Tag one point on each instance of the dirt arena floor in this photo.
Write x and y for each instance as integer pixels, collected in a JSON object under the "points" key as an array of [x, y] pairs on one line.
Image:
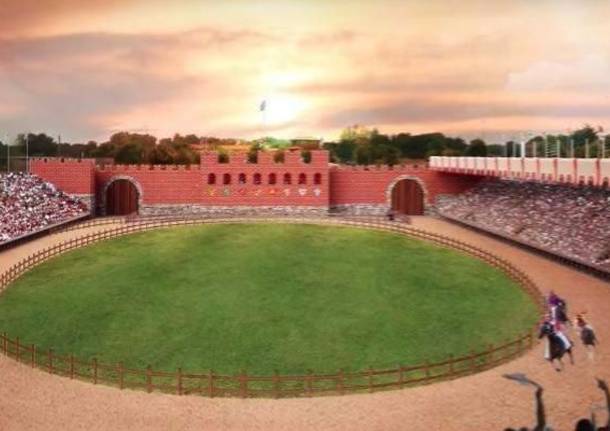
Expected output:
{"points": [[33, 400]]}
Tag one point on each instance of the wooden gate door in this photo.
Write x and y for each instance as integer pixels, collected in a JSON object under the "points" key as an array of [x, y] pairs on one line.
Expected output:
{"points": [[408, 198], [121, 198]]}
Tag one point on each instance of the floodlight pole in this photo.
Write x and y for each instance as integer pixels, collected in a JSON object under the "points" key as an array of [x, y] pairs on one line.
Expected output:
{"points": [[27, 153], [8, 154]]}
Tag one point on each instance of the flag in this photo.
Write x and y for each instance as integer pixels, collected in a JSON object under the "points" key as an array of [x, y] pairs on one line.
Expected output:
{"points": [[262, 106]]}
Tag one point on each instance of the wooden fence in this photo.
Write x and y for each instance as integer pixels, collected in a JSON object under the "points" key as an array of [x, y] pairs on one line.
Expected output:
{"points": [[276, 385]]}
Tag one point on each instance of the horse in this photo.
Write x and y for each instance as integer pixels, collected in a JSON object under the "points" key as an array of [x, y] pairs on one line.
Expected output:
{"points": [[558, 345]]}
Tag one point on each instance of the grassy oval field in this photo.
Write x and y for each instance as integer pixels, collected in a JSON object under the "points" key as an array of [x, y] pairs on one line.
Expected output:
{"points": [[262, 298]]}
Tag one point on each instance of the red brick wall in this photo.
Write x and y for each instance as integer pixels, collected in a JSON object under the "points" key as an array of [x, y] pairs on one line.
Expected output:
{"points": [[182, 185], [159, 184], [266, 194], [72, 176], [189, 184], [368, 185]]}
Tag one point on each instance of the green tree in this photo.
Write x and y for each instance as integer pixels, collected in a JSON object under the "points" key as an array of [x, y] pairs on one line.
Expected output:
{"points": [[401, 142], [477, 148], [129, 153], [495, 150]]}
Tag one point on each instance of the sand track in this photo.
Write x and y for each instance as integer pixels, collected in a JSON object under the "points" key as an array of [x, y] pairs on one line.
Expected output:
{"points": [[32, 399]]}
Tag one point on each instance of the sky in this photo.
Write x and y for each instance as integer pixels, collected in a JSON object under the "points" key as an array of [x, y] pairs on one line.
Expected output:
{"points": [[500, 70]]}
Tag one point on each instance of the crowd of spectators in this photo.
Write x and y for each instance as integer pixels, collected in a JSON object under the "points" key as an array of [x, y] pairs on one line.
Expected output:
{"points": [[573, 221], [29, 204]]}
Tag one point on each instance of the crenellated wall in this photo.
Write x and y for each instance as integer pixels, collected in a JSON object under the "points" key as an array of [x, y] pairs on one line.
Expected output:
{"points": [[287, 187], [76, 177], [367, 189]]}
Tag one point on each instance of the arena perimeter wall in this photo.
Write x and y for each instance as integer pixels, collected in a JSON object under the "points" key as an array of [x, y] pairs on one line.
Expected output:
{"points": [[314, 187]]}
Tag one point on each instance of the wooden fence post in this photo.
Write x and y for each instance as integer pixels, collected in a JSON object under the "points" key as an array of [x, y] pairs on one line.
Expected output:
{"points": [[33, 359], [50, 361], [276, 384], [211, 383], [473, 365], [179, 381], [149, 386], [340, 381], [94, 366], [490, 354], [401, 376], [243, 384], [17, 350], [309, 381], [121, 377]]}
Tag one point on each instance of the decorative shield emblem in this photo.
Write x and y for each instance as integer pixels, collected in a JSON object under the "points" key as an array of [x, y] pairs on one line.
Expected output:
{"points": [[257, 192], [241, 191], [302, 192], [211, 192], [317, 192], [272, 192], [287, 192], [226, 191]]}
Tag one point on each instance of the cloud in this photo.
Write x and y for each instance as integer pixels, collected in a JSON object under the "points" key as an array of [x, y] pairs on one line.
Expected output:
{"points": [[422, 111], [589, 73], [26, 16], [69, 82], [324, 39], [204, 66]]}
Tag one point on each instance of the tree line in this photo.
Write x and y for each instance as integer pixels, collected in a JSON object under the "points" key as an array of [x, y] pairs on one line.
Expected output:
{"points": [[356, 145], [360, 145]]}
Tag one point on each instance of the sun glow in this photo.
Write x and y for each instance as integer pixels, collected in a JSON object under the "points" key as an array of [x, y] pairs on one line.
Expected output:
{"points": [[282, 109]]}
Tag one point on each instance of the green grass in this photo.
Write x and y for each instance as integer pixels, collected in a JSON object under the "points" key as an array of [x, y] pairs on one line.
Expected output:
{"points": [[264, 298]]}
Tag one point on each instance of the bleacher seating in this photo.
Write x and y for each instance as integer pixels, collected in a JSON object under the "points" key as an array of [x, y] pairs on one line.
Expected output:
{"points": [[572, 221], [28, 204]]}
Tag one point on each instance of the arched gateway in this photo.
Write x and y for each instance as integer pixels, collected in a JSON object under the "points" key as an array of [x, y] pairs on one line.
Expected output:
{"points": [[121, 198], [408, 197]]}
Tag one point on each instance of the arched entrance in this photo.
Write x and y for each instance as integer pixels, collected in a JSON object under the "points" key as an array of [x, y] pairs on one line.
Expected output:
{"points": [[121, 198], [408, 197]]}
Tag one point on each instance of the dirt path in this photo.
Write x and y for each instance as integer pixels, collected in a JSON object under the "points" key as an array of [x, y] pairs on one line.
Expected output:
{"points": [[31, 399]]}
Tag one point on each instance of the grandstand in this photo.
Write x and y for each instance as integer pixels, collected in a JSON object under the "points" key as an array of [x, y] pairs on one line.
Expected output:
{"points": [[30, 206], [557, 206], [570, 221]]}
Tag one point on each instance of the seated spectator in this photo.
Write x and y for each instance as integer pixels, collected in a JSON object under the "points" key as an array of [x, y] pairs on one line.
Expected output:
{"points": [[569, 220], [29, 204]]}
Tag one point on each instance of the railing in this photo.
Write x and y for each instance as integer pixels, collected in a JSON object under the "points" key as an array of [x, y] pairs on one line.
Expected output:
{"points": [[276, 385], [66, 224], [98, 221], [564, 170]]}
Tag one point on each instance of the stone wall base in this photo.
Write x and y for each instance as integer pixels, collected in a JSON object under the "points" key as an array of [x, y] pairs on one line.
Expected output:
{"points": [[360, 209], [369, 209], [185, 210], [89, 200]]}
